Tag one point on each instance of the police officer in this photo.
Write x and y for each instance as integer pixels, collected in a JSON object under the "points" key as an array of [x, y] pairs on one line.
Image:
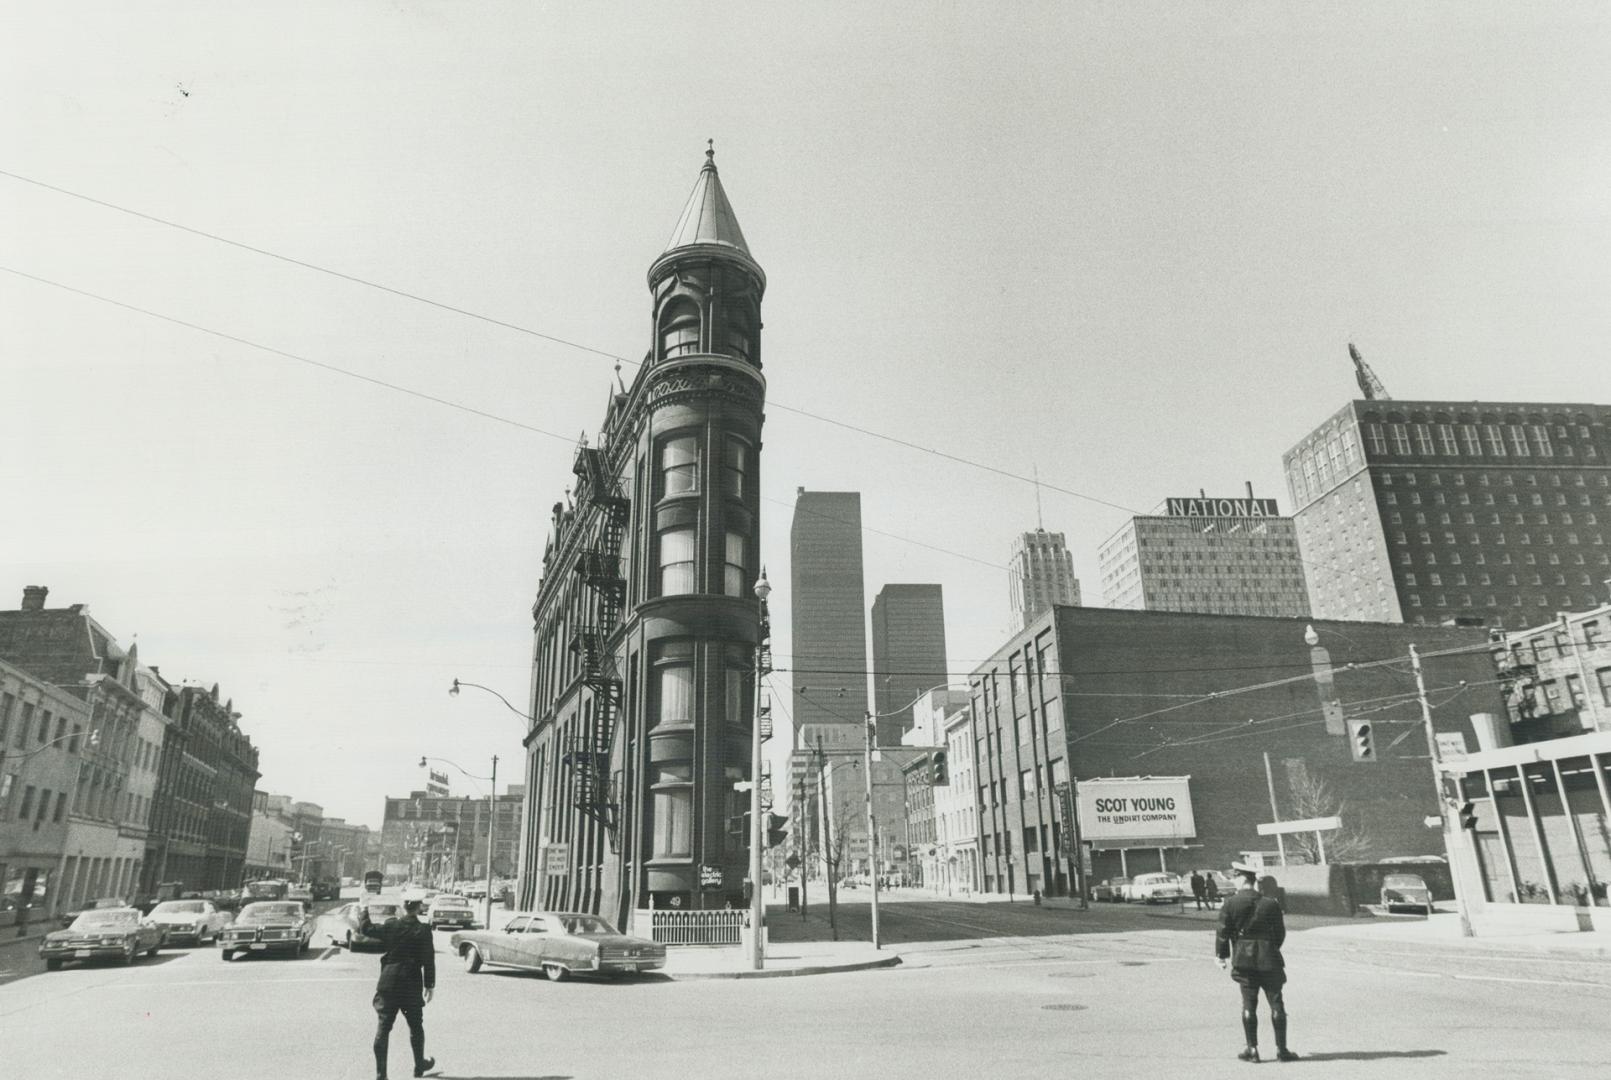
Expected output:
{"points": [[1248, 941], [407, 978]]}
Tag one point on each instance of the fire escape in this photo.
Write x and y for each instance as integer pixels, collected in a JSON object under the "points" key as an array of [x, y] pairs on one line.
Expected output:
{"points": [[599, 565]]}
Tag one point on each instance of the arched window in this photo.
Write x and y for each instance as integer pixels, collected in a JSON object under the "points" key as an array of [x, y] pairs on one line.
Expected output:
{"points": [[679, 331]]}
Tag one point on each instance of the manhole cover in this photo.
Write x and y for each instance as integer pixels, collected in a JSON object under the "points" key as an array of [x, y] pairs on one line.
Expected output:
{"points": [[1063, 1007], [1132, 963]]}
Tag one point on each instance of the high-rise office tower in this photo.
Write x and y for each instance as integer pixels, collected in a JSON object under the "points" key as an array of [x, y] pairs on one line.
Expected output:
{"points": [[1234, 556], [1429, 511], [827, 613], [1041, 574], [908, 654]]}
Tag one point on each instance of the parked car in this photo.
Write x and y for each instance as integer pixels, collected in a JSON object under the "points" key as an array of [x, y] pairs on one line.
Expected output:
{"points": [[197, 921], [1156, 888], [1115, 890], [1406, 890], [280, 926], [105, 903], [558, 944], [450, 910], [381, 908], [115, 933]]}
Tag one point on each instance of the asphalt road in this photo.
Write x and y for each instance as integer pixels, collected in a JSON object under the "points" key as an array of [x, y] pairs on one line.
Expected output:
{"points": [[984, 991]]}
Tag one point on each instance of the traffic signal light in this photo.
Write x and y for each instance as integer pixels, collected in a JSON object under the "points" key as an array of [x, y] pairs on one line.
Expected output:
{"points": [[1468, 815], [939, 769], [777, 829], [1361, 740]]}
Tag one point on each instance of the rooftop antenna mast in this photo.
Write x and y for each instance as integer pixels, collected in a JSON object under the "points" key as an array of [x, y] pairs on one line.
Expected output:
{"points": [[1369, 384], [1040, 525]]}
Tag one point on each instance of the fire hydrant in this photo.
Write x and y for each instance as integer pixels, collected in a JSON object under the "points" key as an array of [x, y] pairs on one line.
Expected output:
{"points": [[1037, 898]]}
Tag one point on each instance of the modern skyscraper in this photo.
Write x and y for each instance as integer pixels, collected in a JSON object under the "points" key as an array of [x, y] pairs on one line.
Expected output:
{"points": [[827, 607], [1214, 556], [908, 654], [646, 621], [1041, 574], [1426, 511]]}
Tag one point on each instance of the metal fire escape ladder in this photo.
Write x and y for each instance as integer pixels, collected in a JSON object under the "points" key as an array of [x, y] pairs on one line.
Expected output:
{"points": [[599, 565]]}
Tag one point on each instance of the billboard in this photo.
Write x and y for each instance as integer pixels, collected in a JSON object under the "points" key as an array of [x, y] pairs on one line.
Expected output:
{"points": [[1137, 811]]}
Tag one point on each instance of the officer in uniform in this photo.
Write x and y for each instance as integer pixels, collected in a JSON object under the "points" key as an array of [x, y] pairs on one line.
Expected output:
{"points": [[1248, 941], [407, 978]]}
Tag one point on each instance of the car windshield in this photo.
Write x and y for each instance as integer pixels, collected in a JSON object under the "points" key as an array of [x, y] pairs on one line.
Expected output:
{"points": [[1152, 879], [270, 911], [102, 920], [585, 924], [382, 911], [450, 901], [179, 907], [1402, 881]]}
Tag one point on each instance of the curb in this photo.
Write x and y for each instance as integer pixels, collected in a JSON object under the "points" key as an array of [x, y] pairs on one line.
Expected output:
{"points": [[784, 973]]}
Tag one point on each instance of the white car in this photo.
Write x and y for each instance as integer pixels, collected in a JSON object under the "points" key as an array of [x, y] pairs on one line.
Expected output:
{"points": [[195, 921], [450, 910], [1156, 888]]}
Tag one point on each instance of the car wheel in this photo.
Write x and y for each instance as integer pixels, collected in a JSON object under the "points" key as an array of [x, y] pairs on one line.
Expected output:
{"points": [[555, 972], [53, 965], [472, 959], [129, 953], [348, 942], [153, 950], [226, 955]]}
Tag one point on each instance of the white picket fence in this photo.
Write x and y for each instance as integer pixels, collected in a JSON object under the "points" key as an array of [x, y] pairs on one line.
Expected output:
{"points": [[671, 927]]}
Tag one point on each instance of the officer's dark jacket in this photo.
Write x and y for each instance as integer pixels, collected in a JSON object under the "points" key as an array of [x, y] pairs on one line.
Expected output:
{"points": [[1251, 930], [409, 963]]}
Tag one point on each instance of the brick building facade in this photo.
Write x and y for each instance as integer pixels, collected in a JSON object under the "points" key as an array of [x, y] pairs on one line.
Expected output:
{"points": [[1088, 692]]}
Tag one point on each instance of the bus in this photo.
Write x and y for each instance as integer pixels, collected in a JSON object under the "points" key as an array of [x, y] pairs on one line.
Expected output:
{"points": [[373, 880]]}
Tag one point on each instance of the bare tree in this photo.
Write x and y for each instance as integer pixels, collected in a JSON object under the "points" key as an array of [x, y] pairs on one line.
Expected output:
{"points": [[1313, 797]]}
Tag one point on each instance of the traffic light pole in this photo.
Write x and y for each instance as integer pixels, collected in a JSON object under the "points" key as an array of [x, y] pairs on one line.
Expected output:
{"points": [[1453, 835], [757, 824], [872, 825]]}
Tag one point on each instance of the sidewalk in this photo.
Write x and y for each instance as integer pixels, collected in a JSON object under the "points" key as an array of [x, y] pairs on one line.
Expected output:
{"points": [[1442, 930]]}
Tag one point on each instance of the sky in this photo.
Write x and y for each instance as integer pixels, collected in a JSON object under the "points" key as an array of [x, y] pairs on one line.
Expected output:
{"points": [[1124, 245]]}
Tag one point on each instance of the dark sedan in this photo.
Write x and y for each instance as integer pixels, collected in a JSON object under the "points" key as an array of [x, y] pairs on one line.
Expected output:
{"points": [[278, 926], [109, 934]]}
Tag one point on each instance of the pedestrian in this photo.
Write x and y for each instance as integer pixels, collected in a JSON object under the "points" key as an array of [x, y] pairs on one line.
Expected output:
{"points": [[1211, 890], [407, 980], [1248, 941], [1199, 888]]}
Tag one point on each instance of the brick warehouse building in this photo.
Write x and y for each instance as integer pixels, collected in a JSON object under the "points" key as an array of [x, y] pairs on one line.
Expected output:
{"points": [[1089, 693], [645, 623]]}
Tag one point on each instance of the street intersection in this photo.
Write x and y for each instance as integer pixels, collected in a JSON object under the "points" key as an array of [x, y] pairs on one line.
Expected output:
{"points": [[982, 990]]}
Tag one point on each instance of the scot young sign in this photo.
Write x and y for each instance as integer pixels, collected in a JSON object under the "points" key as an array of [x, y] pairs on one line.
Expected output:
{"points": [[1147, 811]]}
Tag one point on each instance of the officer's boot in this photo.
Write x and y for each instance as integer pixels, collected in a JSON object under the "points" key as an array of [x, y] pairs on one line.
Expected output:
{"points": [[1250, 1032], [1279, 1022]]}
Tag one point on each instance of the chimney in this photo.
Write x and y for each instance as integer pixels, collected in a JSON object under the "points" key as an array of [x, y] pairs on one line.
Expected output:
{"points": [[33, 597]]}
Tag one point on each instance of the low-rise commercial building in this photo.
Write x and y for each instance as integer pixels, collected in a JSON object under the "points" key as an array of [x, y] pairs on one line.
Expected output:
{"points": [[1208, 714]]}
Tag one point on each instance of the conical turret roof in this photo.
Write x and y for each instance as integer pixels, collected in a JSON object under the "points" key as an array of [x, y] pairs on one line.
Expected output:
{"points": [[708, 225]]}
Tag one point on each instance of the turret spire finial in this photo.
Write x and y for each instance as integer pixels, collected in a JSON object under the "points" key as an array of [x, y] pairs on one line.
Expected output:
{"points": [[710, 152]]}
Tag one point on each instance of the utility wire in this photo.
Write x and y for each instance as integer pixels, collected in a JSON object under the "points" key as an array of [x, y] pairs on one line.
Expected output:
{"points": [[518, 328]]}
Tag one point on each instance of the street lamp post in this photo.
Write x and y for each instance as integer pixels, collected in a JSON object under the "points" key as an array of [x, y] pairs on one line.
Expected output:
{"points": [[763, 589]]}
